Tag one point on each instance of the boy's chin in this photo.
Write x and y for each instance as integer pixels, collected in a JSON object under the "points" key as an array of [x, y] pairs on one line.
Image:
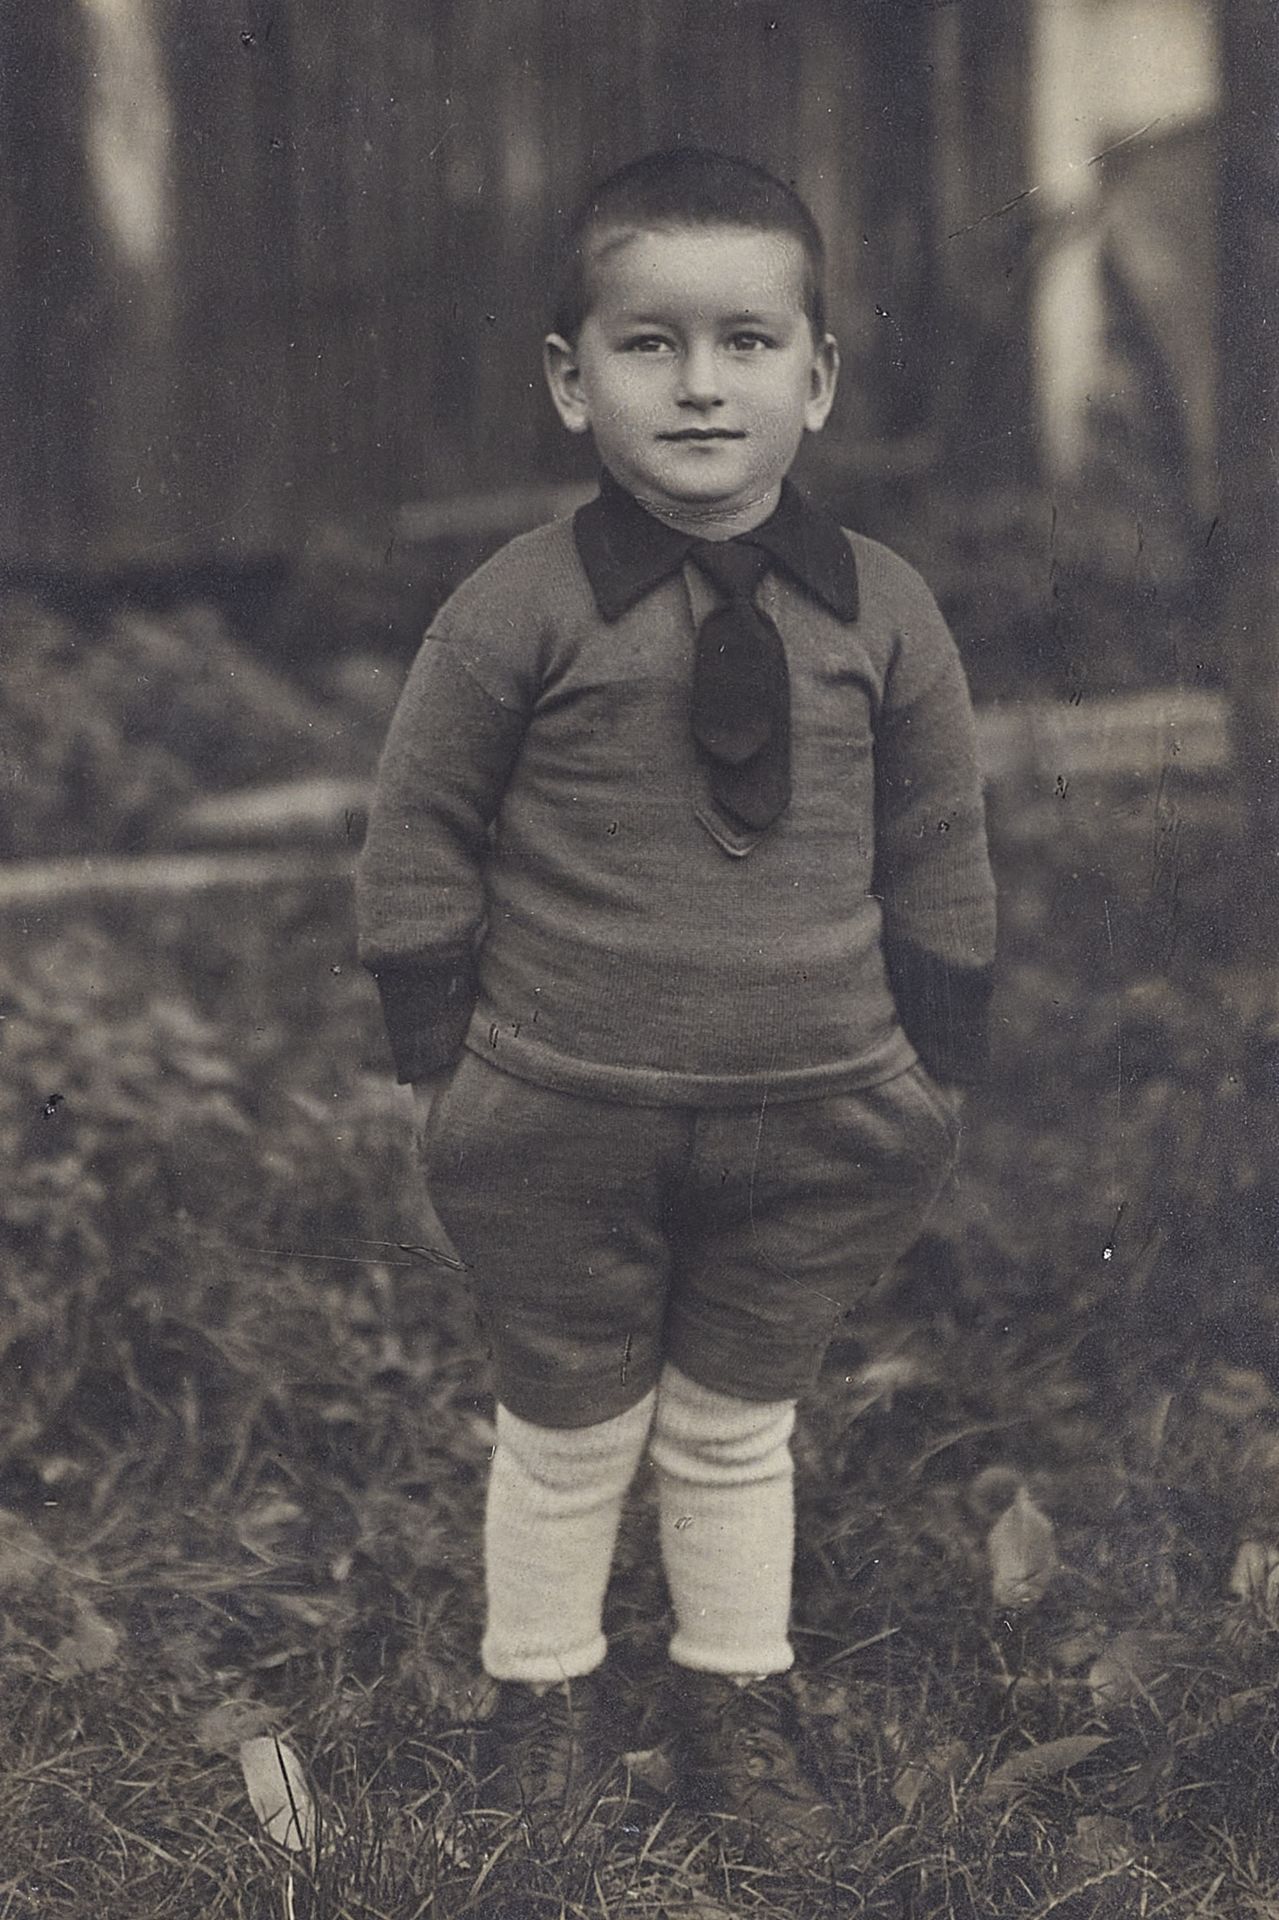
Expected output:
{"points": [[709, 490]]}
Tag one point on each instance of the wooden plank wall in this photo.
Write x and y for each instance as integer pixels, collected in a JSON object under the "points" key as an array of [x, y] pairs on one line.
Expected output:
{"points": [[345, 307], [47, 282]]}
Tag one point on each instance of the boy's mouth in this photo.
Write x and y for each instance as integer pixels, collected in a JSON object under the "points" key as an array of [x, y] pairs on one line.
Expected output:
{"points": [[704, 433]]}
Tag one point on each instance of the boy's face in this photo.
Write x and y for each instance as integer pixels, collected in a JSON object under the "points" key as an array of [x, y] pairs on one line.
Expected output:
{"points": [[697, 370]]}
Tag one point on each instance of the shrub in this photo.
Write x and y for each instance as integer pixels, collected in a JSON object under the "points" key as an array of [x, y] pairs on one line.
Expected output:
{"points": [[169, 1125], [105, 732]]}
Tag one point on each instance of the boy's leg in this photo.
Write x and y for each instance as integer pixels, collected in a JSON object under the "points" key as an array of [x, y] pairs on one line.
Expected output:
{"points": [[554, 1202], [554, 1503], [555, 1205], [727, 1519], [726, 1508], [790, 1215]]}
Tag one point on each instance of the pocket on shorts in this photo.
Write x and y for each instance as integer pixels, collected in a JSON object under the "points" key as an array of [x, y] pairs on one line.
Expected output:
{"points": [[456, 1106], [426, 1129], [442, 1142], [483, 1126], [930, 1099]]}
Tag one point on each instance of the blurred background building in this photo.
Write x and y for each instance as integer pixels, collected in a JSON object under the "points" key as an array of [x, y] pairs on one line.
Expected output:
{"points": [[272, 268], [274, 260]]}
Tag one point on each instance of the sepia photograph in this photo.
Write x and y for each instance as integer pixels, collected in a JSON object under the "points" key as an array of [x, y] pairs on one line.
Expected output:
{"points": [[639, 1001]]}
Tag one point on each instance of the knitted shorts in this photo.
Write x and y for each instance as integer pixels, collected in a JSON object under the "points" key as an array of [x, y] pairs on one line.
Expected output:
{"points": [[603, 1238]]}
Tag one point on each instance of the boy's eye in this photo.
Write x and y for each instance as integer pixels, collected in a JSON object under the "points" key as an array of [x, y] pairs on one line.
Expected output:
{"points": [[747, 340], [646, 343]]}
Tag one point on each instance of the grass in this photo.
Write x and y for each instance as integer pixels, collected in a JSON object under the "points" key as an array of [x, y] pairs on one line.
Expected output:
{"points": [[248, 1426]]}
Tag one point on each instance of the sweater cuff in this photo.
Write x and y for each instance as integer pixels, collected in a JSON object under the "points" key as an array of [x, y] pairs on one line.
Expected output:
{"points": [[427, 1010], [945, 1010]]}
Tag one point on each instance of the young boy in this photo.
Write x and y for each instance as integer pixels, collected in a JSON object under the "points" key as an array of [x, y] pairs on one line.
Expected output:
{"points": [[676, 894]]}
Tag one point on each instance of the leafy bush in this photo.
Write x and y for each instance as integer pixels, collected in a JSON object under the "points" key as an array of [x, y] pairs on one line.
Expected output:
{"points": [[160, 1149], [106, 732]]}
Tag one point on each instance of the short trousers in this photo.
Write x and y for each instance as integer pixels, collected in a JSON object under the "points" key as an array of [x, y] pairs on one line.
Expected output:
{"points": [[603, 1239]]}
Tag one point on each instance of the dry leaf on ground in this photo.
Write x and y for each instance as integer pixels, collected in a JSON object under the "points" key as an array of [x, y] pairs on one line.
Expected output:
{"points": [[1131, 1664], [1041, 1763], [93, 1643], [1021, 1548], [938, 1768], [1234, 1707], [1254, 1577], [278, 1791], [1102, 1840]]}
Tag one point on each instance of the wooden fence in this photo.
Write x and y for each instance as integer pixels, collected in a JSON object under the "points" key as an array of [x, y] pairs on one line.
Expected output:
{"points": [[304, 831], [267, 262]]}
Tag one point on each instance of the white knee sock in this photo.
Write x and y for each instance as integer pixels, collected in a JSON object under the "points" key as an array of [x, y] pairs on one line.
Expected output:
{"points": [[727, 1512], [554, 1501]]}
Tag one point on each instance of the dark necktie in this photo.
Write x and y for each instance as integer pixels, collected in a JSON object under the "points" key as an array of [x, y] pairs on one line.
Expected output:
{"points": [[741, 689]]}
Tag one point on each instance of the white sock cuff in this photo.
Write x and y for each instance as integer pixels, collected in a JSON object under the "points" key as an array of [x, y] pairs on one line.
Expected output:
{"points": [[742, 1664], [502, 1659]]}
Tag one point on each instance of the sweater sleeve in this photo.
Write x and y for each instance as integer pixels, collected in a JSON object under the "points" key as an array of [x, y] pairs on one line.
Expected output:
{"points": [[420, 877], [932, 870]]}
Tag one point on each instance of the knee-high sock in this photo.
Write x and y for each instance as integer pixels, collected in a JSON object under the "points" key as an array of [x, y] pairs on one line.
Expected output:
{"points": [[727, 1512], [554, 1501]]}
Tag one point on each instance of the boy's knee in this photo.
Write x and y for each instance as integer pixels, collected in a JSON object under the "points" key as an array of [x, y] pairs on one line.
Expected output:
{"points": [[715, 1439]]}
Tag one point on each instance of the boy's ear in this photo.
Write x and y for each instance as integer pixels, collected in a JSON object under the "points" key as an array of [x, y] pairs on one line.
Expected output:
{"points": [[823, 379], [564, 378]]}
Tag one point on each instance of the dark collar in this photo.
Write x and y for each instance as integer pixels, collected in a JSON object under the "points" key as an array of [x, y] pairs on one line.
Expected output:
{"points": [[626, 552]]}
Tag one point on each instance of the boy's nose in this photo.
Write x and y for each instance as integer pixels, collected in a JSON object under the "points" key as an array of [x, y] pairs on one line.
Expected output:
{"points": [[699, 384]]}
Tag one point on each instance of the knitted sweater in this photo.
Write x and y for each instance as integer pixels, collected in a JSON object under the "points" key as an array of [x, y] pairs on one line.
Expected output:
{"points": [[536, 882]]}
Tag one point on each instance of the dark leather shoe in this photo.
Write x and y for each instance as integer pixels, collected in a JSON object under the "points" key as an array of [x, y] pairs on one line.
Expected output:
{"points": [[736, 1754], [547, 1758]]}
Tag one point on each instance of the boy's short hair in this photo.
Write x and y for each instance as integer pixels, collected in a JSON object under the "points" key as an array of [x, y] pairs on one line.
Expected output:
{"points": [[687, 187]]}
